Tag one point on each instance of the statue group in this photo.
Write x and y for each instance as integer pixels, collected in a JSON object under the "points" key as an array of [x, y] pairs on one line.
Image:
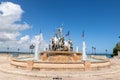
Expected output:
{"points": [[58, 43]]}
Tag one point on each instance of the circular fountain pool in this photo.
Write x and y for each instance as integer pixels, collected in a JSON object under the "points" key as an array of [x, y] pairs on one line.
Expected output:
{"points": [[88, 59], [89, 64]]}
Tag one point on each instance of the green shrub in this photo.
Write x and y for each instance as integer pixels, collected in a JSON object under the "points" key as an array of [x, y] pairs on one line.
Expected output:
{"points": [[116, 49]]}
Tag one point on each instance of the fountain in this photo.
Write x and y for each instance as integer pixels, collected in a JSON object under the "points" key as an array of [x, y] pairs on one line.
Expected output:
{"points": [[84, 51], [60, 56], [76, 48], [39, 38]]}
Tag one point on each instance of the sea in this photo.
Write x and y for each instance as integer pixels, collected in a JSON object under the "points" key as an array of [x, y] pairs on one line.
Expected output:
{"points": [[108, 55]]}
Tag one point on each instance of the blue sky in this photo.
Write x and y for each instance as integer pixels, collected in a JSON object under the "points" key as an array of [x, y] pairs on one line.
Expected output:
{"points": [[99, 19]]}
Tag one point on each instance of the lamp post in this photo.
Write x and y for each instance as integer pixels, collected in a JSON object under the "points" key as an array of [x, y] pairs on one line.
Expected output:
{"points": [[95, 49], [92, 49], [18, 50], [7, 50]]}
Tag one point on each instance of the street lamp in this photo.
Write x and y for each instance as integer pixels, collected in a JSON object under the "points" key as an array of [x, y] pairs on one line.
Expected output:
{"points": [[7, 50], [92, 49], [18, 50], [95, 49]]}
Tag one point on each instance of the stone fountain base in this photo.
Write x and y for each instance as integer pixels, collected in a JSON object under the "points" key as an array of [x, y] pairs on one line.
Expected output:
{"points": [[60, 60]]}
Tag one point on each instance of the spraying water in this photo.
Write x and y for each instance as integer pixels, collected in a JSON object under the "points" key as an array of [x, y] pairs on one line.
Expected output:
{"points": [[76, 48], [38, 41], [84, 51]]}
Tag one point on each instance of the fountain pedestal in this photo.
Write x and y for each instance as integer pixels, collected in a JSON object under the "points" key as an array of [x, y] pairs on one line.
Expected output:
{"points": [[60, 56], [87, 65], [30, 64]]}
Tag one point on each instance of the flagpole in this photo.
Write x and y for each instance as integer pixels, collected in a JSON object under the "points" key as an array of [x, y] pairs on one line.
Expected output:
{"points": [[82, 39]]}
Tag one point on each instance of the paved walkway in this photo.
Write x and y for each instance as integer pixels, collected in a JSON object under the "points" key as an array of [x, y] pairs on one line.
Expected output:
{"points": [[9, 72]]}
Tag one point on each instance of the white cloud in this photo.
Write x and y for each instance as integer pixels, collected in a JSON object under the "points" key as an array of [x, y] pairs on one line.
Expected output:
{"points": [[8, 36], [10, 9], [23, 40], [10, 14]]}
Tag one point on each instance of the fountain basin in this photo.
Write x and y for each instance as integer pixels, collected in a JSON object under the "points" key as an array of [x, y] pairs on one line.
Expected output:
{"points": [[90, 64]]}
